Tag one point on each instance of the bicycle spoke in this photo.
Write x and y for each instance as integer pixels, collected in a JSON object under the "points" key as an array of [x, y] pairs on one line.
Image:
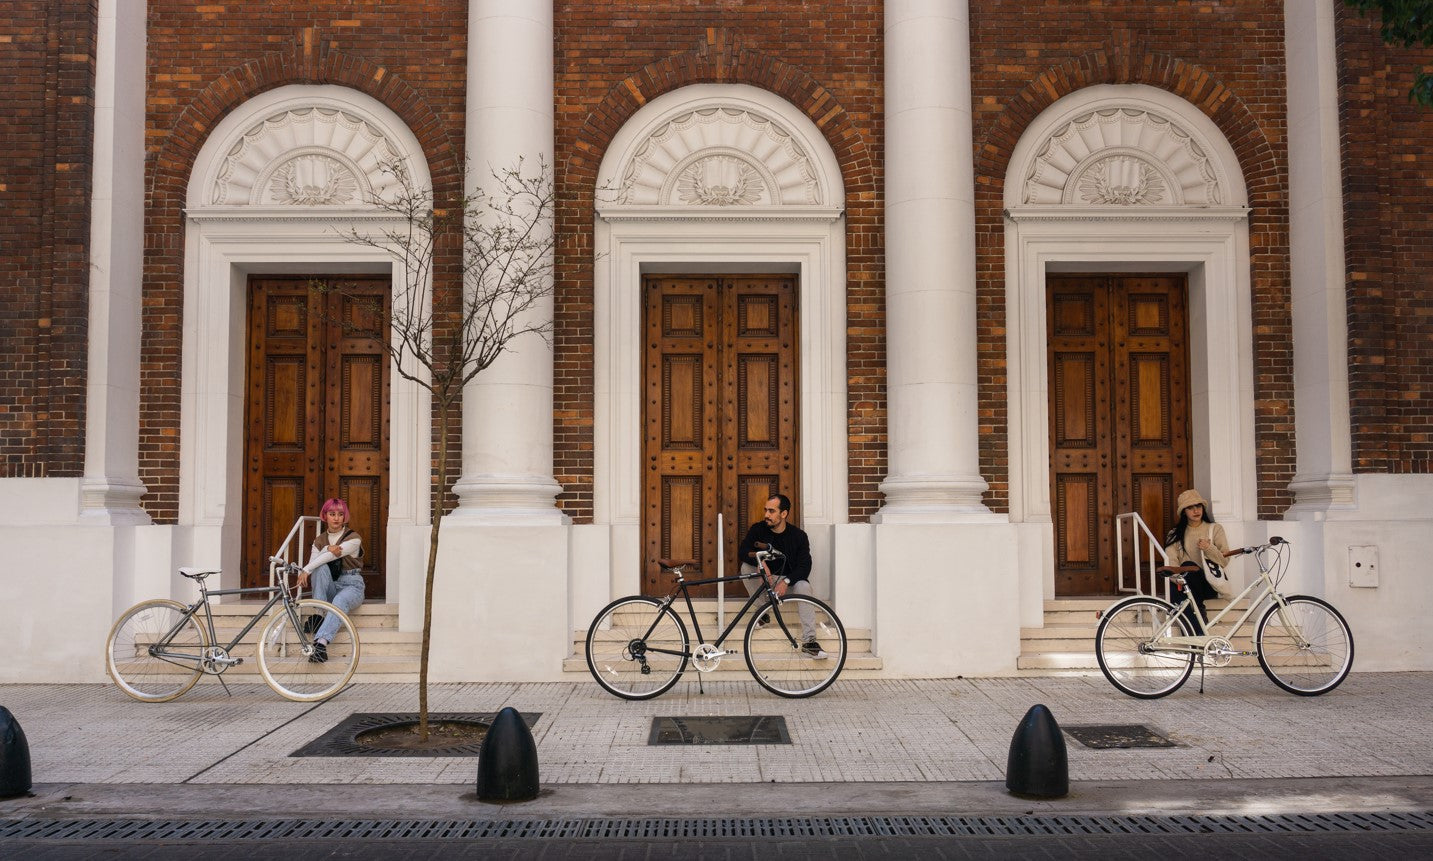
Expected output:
{"points": [[289, 655], [1305, 646], [637, 649], [1131, 657], [800, 652], [153, 651]]}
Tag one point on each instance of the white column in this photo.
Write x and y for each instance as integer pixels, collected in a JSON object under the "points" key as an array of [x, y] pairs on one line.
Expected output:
{"points": [[507, 410], [111, 489], [1324, 476], [930, 267]]}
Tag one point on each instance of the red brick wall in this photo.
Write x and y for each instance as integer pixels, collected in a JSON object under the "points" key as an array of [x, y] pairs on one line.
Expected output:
{"points": [[1225, 57], [1388, 250], [206, 59], [47, 135], [823, 57]]}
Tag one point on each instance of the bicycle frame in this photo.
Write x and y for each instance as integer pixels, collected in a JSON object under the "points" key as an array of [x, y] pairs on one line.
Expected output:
{"points": [[683, 587], [1198, 644], [278, 594]]}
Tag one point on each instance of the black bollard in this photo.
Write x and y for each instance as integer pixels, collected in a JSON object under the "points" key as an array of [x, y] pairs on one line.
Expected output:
{"points": [[1038, 766], [507, 761], [14, 757]]}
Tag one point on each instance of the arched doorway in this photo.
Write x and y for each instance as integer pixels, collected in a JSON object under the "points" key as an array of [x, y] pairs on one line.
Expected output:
{"points": [[731, 184], [274, 190], [1134, 196]]}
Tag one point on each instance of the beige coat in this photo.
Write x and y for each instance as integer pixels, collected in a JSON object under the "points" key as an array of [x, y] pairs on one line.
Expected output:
{"points": [[1188, 551]]}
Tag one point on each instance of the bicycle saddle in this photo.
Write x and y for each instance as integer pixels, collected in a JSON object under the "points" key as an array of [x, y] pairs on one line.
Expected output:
{"points": [[670, 564], [196, 573]]}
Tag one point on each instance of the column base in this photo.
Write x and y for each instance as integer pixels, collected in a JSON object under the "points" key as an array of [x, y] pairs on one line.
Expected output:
{"points": [[1315, 495], [509, 499], [114, 502], [935, 499]]}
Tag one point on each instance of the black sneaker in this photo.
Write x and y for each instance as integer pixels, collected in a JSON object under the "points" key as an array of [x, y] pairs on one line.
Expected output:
{"points": [[313, 623], [320, 654], [763, 620], [813, 649]]}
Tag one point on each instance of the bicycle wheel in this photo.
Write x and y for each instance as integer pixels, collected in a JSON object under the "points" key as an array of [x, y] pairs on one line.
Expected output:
{"points": [[1123, 645], [286, 652], [144, 662], [779, 653], [636, 648], [1305, 648]]}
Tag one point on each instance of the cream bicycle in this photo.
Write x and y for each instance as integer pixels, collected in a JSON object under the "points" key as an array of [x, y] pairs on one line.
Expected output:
{"points": [[1146, 648]]}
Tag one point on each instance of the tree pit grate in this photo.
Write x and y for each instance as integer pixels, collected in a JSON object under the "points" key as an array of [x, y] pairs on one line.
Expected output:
{"points": [[342, 739]]}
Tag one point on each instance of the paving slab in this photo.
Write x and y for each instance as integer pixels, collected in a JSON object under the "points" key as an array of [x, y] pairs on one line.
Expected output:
{"points": [[930, 746]]}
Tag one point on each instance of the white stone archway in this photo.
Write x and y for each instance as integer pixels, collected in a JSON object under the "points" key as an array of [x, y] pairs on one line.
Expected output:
{"points": [[1129, 178], [274, 189], [717, 178]]}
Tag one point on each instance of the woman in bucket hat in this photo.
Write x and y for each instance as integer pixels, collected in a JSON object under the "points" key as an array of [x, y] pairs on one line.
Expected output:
{"points": [[1197, 548]]}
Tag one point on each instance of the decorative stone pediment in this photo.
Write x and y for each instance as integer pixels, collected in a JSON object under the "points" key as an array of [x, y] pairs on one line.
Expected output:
{"points": [[304, 157], [1122, 156], [720, 156]]}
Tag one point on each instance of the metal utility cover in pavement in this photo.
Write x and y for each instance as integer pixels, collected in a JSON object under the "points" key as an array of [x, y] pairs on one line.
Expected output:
{"points": [[761, 729], [1117, 736]]}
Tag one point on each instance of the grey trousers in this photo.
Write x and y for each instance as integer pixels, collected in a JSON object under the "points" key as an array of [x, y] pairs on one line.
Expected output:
{"points": [[799, 587]]}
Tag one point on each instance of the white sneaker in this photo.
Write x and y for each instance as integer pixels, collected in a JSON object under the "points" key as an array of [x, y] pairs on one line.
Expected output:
{"points": [[813, 649]]}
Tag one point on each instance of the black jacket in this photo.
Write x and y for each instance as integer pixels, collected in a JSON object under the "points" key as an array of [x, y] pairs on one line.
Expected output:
{"points": [[791, 541]]}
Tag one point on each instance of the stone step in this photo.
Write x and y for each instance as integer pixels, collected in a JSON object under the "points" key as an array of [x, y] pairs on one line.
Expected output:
{"points": [[1066, 641]]}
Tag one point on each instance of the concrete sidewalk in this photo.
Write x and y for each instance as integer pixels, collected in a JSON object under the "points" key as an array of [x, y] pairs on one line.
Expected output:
{"points": [[921, 746]]}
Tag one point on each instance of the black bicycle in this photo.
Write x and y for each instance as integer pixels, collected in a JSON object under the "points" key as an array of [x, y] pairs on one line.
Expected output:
{"points": [[794, 646]]}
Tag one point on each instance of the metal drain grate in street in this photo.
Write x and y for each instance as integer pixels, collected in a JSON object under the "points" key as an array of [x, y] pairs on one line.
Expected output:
{"points": [[1117, 736], [758, 729], [812, 826]]}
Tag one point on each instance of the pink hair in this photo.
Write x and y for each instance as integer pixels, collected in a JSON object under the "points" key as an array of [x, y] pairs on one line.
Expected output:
{"points": [[334, 504]]}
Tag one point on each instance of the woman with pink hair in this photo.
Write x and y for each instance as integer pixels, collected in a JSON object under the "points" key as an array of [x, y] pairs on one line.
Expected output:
{"points": [[336, 567]]}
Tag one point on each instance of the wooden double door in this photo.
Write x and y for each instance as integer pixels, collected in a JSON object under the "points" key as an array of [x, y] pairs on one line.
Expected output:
{"points": [[719, 392], [1119, 416], [317, 388]]}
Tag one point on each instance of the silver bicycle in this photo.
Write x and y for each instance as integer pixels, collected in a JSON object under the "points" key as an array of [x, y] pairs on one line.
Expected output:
{"points": [[158, 649], [1146, 648]]}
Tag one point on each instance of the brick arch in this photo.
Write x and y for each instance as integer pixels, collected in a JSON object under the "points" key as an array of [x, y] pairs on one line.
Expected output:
{"points": [[1123, 62], [719, 57], [311, 61], [1261, 159]]}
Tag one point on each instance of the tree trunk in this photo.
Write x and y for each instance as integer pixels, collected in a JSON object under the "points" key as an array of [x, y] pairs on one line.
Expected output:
{"points": [[443, 409]]}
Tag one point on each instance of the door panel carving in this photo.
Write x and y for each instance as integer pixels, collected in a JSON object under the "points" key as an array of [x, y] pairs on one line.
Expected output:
{"points": [[1119, 415], [316, 414], [720, 411]]}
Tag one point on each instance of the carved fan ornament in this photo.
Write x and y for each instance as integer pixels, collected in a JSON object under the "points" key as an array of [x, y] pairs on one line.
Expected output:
{"points": [[720, 156], [1122, 157], [311, 156]]}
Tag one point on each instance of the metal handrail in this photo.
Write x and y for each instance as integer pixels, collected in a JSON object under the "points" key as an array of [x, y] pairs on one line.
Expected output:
{"points": [[283, 552], [1156, 551]]}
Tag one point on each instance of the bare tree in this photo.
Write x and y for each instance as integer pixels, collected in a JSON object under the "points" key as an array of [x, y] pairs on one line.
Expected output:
{"points": [[505, 233]]}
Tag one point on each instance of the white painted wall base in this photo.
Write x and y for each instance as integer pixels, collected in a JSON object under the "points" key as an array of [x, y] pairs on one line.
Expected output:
{"points": [[500, 603], [941, 600], [947, 600]]}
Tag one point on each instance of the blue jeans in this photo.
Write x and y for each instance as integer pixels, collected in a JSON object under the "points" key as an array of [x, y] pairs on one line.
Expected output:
{"points": [[345, 593]]}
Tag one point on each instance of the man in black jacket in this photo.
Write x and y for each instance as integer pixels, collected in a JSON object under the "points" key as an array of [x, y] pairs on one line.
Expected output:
{"points": [[792, 572]]}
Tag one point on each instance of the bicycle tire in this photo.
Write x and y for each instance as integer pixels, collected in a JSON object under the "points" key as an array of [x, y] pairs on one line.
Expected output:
{"points": [[775, 654], [132, 665], [285, 652], [1122, 648], [1314, 660], [620, 642]]}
